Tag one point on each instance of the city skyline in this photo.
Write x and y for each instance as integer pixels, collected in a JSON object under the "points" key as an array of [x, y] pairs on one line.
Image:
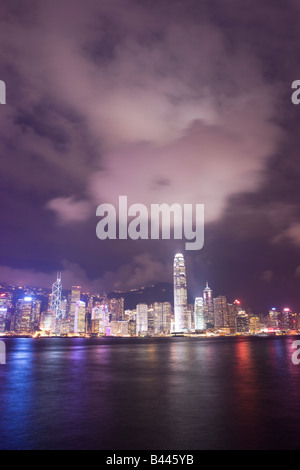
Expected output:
{"points": [[80, 314], [205, 289], [173, 102], [149, 227]]}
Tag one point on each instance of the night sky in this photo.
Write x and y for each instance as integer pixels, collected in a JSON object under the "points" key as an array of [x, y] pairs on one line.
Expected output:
{"points": [[163, 101]]}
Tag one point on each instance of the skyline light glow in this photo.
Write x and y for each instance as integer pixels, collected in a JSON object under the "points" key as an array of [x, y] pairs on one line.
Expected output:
{"points": [[186, 102], [150, 227], [90, 315]]}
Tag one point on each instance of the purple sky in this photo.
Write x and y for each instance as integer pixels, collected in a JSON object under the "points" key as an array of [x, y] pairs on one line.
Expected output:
{"points": [[168, 101]]}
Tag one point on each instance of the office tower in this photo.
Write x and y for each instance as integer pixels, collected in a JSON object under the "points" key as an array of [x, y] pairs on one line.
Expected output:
{"points": [[191, 320], [151, 330], [199, 314], [95, 319], [182, 323], [132, 327], [130, 315], [24, 307], [89, 309], [231, 318], [233, 311], [237, 307], [286, 320], [242, 322], [73, 299], [3, 312], [62, 323], [297, 321], [46, 321], [119, 328], [208, 307], [56, 302], [142, 319], [3, 315], [221, 319], [116, 309], [36, 315], [255, 325], [274, 319], [63, 308], [79, 323], [167, 317], [294, 320], [26, 312], [158, 318], [100, 318], [103, 318]]}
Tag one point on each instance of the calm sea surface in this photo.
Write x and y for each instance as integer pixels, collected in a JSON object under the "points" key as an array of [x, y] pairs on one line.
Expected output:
{"points": [[147, 394]]}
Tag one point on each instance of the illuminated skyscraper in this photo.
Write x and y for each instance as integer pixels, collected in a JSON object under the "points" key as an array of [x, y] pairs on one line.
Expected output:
{"points": [[28, 309], [162, 314], [142, 319], [167, 316], [199, 314], [233, 311], [79, 322], [255, 325], [159, 318], [221, 318], [3, 312], [231, 317], [95, 320], [116, 309], [151, 320], [100, 317], [274, 319], [24, 313], [182, 317], [46, 321], [286, 317], [75, 296], [104, 318], [56, 303], [242, 322], [208, 302], [119, 328], [132, 327], [36, 315]]}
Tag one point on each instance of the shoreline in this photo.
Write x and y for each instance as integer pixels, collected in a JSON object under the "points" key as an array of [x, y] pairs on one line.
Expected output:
{"points": [[192, 336]]}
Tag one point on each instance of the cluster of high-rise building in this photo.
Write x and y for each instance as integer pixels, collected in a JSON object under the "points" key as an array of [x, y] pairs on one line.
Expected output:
{"points": [[218, 316], [79, 314], [207, 313]]}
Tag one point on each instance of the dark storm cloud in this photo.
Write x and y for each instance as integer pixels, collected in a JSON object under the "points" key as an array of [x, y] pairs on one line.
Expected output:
{"points": [[170, 101]]}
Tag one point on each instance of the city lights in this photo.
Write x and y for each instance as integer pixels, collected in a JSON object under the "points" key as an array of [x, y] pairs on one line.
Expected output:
{"points": [[80, 314]]}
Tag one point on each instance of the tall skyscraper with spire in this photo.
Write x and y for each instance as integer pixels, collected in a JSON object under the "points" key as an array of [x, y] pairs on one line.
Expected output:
{"points": [[208, 302], [56, 302], [182, 317]]}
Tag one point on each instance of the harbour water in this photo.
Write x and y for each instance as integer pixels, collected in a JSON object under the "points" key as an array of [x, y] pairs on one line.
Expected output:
{"points": [[150, 394]]}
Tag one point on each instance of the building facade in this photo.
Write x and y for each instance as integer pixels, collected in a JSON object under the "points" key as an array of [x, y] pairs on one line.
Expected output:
{"points": [[181, 313]]}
